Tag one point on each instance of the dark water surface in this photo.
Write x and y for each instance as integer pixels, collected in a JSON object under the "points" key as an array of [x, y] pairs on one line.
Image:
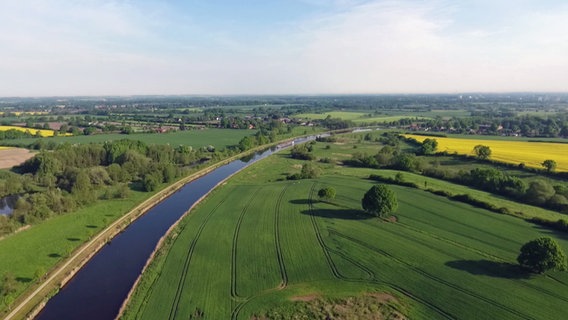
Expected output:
{"points": [[98, 290], [7, 204]]}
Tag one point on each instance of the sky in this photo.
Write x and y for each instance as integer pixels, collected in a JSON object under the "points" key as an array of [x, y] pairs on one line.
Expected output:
{"points": [[143, 47]]}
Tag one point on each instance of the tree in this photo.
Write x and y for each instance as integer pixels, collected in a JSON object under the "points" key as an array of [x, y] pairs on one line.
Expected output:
{"points": [[549, 165], [429, 146], [541, 255], [326, 193], [482, 152], [7, 285], [539, 192], [151, 182], [309, 171], [379, 201]]}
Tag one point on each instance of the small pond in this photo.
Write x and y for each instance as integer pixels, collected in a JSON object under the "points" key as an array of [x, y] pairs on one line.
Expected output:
{"points": [[7, 204]]}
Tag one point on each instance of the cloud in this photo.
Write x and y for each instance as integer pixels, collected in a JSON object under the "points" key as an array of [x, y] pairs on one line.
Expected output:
{"points": [[410, 46], [60, 47]]}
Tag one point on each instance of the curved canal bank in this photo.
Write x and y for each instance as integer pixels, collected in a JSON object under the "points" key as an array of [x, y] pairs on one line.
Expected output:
{"points": [[99, 288]]}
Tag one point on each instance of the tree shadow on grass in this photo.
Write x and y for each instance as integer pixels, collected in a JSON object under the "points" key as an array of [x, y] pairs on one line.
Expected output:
{"points": [[307, 201], [345, 214], [490, 268], [136, 186], [54, 255], [300, 201], [90, 226], [73, 239], [551, 231], [23, 279]]}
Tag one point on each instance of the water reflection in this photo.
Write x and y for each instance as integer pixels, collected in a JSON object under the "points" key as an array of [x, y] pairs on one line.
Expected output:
{"points": [[7, 204]]}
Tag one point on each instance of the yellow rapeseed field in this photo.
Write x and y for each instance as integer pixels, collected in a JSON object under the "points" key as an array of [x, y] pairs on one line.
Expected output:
{"points": [[19, 113], [42, 132], [531, 154]]}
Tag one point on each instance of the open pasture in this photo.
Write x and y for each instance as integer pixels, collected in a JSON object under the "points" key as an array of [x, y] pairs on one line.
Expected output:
{"points": [[254, 245], [196, 138], [531, 154], [357, 117]]}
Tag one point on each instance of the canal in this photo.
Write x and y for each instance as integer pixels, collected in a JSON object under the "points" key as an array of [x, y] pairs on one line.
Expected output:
{"points": [[98, 290]]}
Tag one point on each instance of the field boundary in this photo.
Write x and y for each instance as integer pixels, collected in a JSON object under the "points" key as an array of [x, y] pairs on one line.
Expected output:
{"points": [[29, 304]]}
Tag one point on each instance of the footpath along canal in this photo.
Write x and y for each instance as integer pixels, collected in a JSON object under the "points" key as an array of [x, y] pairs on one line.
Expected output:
{"points": [[98, 290]]}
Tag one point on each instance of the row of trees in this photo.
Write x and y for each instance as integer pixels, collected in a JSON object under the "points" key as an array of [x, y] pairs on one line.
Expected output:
{"points": [[71, 176], [538, 192], [64, 177]]}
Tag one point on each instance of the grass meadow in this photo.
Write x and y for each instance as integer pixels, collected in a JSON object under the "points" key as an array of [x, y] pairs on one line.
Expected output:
{"points": [[357, 117], [219, 138], [261, 242], [531, 154]]}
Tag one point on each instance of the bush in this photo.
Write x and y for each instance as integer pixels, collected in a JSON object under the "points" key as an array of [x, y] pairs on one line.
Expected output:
{"points": [[326, 193]]}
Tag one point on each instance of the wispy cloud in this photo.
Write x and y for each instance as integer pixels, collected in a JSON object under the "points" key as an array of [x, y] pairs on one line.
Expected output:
{"points": [[410, 46], [142, 47]]}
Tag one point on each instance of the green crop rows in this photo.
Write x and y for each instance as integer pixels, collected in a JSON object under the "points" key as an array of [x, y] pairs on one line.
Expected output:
{"points": [[254, 245]]}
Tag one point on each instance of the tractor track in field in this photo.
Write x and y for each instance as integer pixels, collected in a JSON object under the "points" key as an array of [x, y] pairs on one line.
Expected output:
{"points": [[495, 258], [181, 282], [279, 255], [234, 293], [369, 272], [557, 280], [449, 241], [319, 237], [492, 244], [409, 294], [430, 276]]}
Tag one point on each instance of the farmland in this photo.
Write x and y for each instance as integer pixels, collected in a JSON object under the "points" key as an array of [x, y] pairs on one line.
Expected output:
{"points": [[41, 132], [259, 243], [195, 138], [531, 154], [357, 117], [10, 157]]}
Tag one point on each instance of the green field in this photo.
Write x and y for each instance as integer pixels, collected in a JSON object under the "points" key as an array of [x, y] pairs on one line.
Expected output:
{"points": [[219, 138], [258, 243], [357, 117]]}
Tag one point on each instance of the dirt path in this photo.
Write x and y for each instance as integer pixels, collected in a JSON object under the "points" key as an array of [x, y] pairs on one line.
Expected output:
{"points": [[13, 156]]}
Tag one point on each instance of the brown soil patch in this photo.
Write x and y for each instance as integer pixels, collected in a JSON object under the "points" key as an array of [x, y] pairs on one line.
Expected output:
{"points": [[383, 297], [306, 298], [13, 157], [345, 155], [392, 219]]}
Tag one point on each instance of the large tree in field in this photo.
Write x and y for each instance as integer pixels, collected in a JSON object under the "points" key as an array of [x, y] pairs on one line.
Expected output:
{"points": [[541, 255], [379, 201], [549, 165], [482, 152]]}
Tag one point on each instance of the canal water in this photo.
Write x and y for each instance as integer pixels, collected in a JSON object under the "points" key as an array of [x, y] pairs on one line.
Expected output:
{"points": [[7, 204], [98, 290]]}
